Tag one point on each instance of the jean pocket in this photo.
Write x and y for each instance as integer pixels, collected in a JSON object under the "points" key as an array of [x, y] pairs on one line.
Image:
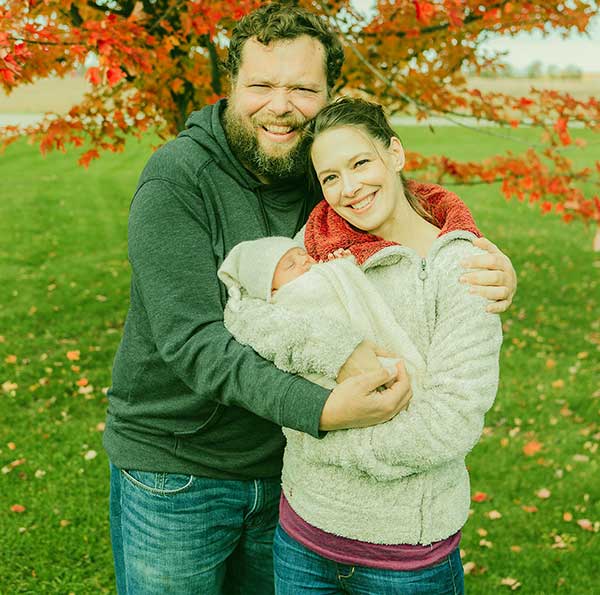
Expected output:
{"points": [[161, 484]]}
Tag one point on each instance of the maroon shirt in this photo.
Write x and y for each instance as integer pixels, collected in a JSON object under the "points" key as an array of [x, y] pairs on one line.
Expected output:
{"points": [[360, 553]]}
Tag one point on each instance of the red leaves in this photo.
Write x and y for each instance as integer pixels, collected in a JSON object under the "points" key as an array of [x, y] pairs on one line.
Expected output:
{"points": [[561, 128], [114, 75], [93, 75], [424, 11], [87, 157], [479, 497]]}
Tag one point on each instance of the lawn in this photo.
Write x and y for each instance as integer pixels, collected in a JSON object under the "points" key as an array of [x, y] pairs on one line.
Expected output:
{"points": [[63, 256]]}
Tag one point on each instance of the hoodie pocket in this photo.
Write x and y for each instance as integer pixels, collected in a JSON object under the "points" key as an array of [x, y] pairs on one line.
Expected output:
{"points": [[210, 421]]}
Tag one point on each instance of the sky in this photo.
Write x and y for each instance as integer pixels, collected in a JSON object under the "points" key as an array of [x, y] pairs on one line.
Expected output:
{"points": [[523, 49]]}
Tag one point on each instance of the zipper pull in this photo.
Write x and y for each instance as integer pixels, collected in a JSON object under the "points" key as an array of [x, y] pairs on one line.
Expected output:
{"points": [[423, 272]]}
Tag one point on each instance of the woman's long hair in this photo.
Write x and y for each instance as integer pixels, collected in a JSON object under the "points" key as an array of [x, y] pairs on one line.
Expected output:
{"points": [[370, 117]]}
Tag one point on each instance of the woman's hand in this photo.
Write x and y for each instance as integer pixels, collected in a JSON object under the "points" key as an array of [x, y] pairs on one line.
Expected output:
{"points": [[363, 359], [356, 403], [339, 253], [498, 283]]}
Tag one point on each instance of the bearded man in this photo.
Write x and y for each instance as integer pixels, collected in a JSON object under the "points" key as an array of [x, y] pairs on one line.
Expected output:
{"points": [[193, 427]]}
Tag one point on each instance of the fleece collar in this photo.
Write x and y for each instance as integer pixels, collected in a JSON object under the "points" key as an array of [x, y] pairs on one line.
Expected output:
{"points": [[326, 231]]}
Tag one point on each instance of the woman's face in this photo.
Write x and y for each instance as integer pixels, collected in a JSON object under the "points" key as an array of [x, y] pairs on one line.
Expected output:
{"points": [[359, 175]]}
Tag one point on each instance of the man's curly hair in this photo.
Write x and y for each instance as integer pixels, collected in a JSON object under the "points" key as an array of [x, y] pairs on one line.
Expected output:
{"points": [[278, 21]]}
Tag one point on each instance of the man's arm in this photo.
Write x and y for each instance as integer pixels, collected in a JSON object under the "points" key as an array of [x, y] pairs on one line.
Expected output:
{"points": [[174, 271], [498, 282]]}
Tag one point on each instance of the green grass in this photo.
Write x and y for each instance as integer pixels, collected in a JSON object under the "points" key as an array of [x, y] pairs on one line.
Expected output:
{"points": [[63, 262]]}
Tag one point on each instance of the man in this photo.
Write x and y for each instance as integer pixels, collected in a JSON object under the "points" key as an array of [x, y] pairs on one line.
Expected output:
{"points": [[193, 422]]}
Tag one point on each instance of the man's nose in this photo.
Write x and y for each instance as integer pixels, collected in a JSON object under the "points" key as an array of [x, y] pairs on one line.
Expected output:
{"points": [[279, 103]]}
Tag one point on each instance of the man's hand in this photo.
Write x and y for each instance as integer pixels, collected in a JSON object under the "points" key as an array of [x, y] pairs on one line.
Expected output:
{"points": [[355, 403], [363, 359], [498, 282]]}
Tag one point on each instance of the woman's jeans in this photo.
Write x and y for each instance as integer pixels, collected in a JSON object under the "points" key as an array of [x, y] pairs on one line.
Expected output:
{"points": [[300, 571], [182, 534]]}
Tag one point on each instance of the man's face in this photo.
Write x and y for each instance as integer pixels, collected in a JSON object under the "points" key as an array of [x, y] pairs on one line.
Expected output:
{"points": [[279, 88]]}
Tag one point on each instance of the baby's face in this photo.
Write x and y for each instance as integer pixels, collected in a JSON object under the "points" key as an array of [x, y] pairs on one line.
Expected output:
{"points": [[293, 263]]}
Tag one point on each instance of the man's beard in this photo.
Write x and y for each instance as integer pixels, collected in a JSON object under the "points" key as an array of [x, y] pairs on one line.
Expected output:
{"points": [[243, 141]]}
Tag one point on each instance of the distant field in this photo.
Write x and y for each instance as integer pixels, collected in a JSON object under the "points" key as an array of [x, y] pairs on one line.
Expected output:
{"points": [[58, 95]]}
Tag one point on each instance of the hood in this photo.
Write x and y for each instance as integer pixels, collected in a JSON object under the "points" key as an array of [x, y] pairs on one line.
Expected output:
{"points": [[205, 128], [326, 231]]}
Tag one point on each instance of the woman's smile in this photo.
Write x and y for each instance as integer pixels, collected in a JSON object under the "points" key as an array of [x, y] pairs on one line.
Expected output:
{"points": [[364, 204]]}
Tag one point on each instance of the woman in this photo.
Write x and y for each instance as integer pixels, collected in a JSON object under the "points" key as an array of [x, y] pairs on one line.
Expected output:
{"points": [[379, 510]]}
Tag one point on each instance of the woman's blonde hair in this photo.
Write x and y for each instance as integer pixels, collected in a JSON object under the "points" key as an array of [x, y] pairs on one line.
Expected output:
{"points": [[370, 117]]}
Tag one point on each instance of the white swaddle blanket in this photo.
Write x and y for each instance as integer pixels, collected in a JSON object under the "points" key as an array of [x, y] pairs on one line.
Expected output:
{"points": [[332, 291]]}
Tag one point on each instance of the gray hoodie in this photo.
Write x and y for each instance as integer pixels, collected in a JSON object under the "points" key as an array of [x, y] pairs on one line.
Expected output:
{"points": [[185, 396]]}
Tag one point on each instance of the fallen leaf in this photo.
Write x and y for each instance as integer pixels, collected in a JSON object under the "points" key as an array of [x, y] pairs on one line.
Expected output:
{"points": [[485, 543], [73, 355], [494, 515], [481, 532], [64, 523], [581, 458], [560, 383], [469, 567], [550, 363], [479, 497], [82, 382], [567, 516], [585, 524], [543, 493], [90, 454], [530, 508], [532, 448], [11, 446], [18, 508], [11, 359], [513, 583], [515, 548]]}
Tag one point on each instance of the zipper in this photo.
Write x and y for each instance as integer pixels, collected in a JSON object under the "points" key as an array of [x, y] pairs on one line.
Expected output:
{"points": [[423, 271]]}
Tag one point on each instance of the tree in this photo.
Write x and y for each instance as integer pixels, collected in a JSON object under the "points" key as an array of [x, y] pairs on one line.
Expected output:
{"points": [[160, 59]]}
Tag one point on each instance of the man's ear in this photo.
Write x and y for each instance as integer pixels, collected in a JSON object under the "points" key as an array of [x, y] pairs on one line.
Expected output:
{"points": [[397, 151]]}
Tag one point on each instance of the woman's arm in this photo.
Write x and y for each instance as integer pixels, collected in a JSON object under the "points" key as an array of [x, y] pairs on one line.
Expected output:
{"points": [[445, 417]]}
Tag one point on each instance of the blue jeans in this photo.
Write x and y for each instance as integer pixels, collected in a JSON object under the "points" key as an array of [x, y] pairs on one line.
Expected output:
{"points": [[299, 571], [183, 534]]}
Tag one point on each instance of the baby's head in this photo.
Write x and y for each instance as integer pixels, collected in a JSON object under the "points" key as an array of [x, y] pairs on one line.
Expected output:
{"points": [[263, 266], [294, 263]]}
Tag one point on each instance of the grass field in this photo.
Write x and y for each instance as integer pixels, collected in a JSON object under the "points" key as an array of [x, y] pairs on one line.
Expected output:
{"points": [[63, 300]]}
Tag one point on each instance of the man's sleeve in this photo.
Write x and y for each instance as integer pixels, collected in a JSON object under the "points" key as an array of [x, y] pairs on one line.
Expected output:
{"points": [[175, 273]]}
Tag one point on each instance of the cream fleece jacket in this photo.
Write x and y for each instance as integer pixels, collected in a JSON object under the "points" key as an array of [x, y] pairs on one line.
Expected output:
{"points": [[405, 481]]}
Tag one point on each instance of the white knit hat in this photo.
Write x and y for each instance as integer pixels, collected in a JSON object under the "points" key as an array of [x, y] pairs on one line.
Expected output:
{"points": [[251, 265]]}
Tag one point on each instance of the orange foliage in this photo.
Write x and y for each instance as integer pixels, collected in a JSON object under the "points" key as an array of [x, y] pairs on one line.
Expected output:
{"points": [[158, 61]]}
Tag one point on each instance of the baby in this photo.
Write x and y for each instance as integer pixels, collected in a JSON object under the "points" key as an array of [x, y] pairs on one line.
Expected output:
{"points": [[304, 297]]}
